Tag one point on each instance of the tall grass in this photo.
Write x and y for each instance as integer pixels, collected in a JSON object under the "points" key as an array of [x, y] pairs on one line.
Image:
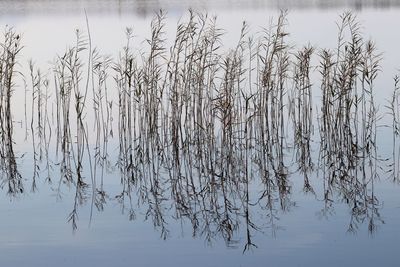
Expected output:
{"points": [[10, 48], [200, 124]]}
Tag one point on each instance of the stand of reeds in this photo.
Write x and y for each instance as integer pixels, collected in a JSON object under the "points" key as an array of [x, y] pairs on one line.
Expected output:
{"points": [[200, 126]]}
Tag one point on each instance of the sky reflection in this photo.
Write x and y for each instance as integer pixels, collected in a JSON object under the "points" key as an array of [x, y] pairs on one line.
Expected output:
{"points": [[145, 8], [252, 193]]}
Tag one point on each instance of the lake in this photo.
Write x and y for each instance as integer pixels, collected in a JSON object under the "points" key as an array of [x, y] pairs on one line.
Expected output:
{"points": [[134, 136]]}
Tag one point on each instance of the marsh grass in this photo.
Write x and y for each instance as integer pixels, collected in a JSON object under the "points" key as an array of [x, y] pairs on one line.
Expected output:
{"points": [[10, 48], [102, 122], [200, 125], [393, 111], [301, 102], [348, 124]]}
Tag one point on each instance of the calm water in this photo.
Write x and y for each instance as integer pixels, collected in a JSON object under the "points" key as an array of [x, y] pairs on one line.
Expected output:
{"points": [[308, 231]]}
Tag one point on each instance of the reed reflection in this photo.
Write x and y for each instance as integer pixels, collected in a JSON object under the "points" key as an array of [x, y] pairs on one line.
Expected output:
{"points": [[204, 135]]}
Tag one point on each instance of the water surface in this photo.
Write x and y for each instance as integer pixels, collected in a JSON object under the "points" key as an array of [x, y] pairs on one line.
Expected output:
{"points": [[35, 228]]}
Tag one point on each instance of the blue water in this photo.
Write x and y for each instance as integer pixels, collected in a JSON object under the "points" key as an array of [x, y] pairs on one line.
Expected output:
{"points": [[34, 230]]}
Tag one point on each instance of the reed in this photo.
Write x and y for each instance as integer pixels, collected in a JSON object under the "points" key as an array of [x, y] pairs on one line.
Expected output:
{"points": [[10, 48], [200, 124], [395, 125]]}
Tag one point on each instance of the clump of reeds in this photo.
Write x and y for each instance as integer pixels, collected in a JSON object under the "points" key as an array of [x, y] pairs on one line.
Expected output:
{"points": [[348, 122], [70, 90], [102, 105], [302, 115], [395, 125], [273, 65], [199, 125], [39, 125], [10, 48]]}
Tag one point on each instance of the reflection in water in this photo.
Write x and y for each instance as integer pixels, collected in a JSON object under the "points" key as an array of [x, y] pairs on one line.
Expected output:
{"points": [[10, 176], [147, 7], [206, 136], [394, 112], [349, 121]]}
